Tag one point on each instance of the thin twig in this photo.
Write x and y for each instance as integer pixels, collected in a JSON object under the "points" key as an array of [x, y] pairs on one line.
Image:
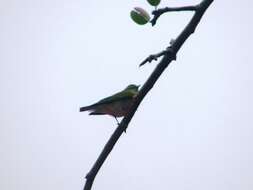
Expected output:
{"points": [[152, 57], [156, 56], [165, 61], [157, 13]]}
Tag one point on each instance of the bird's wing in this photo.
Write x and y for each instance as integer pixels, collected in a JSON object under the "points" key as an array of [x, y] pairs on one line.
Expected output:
{"points": [[116, 97]]}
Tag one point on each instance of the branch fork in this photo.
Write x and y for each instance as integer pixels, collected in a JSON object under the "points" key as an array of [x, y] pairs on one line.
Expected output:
{"points": [[154, 57]]}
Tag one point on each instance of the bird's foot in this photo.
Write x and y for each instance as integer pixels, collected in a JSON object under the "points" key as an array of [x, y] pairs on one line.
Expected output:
{"points": [[118, 122]]}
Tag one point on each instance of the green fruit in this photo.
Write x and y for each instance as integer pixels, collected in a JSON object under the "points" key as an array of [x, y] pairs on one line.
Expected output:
{"points": [[140, 16], [154, 2]]}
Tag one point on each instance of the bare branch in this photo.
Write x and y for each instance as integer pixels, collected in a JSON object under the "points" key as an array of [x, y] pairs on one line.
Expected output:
{"points": [[165, 61], [156, 56], [157, 13], [152, 57]]}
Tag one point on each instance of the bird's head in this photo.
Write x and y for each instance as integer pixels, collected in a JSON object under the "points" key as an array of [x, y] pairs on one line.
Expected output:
{"points": [[133, 87]]}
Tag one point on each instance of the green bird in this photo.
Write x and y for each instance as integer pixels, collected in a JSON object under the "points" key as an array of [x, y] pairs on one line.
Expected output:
{"points": [[117, 105]]}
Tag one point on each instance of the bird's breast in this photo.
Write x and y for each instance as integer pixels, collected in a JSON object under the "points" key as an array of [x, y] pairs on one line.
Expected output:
{"points": [[117, 109]]}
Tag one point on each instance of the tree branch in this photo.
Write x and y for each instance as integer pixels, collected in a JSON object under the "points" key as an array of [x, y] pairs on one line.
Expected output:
{"points": [[169, 56], [153, 57], [157, 13]]}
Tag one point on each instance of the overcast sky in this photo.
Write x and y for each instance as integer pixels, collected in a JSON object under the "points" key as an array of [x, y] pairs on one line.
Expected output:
{"points": [[193, 131]]}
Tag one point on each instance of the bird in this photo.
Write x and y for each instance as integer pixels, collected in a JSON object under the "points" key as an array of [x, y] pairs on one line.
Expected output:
{"points": [[116, 105]]}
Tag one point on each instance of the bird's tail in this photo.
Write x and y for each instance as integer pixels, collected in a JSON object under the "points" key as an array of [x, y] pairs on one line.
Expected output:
{"points": [[86, 108]]}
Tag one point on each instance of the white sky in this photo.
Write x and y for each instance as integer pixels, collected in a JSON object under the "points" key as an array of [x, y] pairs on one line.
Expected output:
{"points": [[192, 131]]}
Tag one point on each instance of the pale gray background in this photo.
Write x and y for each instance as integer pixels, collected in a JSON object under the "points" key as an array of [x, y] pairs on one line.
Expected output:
{"points": [[192, 132]]}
